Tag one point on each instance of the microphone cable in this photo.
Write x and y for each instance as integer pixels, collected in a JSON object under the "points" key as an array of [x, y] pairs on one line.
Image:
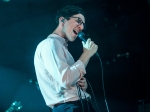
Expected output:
{"points": [[81, 36], [103, 82], [102, 85], [80, 96], [93, 95]]}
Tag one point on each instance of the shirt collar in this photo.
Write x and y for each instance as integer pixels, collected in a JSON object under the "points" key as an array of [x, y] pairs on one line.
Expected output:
{"points": [[61, 39]]}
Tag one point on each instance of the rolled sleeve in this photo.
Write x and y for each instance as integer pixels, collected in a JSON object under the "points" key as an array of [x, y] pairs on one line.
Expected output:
{"points": [[73, 74], [80, 65]]}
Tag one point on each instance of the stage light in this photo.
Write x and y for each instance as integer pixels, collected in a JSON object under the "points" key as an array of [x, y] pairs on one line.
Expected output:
{"points": [[14, 106], [6, 0]]}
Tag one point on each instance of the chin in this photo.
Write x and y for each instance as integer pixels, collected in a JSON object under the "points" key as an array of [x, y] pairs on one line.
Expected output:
{"points": [[71, 39]]}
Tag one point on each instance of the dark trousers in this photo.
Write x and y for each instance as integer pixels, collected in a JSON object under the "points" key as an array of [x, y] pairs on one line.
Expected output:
{"points": [[74, 106]]}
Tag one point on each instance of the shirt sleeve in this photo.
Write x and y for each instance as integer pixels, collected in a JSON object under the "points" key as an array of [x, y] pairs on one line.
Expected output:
{"points": [[54, 60]]}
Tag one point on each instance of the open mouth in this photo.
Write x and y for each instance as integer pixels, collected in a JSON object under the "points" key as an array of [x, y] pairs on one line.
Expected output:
{"points": [[75, 32]]}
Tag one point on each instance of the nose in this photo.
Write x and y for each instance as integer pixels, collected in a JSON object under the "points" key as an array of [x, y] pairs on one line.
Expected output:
{"points": [[81, 26]]}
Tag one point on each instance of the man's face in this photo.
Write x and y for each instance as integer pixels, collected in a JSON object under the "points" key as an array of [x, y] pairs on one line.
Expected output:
{"points": [[73, 26]]}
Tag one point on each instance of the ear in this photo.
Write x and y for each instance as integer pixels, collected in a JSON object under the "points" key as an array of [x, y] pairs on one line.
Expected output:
{"points": [[62, 19]]}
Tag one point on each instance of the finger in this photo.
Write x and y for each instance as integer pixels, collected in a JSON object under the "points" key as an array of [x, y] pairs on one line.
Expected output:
{"points": [[81, 81], [84, 88], [91, 43], [83, 78], [83, 43], [81, 85], [94, 46], [88, 41]]}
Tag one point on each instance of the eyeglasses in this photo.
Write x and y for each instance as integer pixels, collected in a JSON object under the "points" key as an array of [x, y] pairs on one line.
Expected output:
{"points": [[79, 21]]}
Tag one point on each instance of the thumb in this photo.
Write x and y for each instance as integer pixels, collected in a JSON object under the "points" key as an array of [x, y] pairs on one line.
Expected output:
{"points": [[83, 43]]}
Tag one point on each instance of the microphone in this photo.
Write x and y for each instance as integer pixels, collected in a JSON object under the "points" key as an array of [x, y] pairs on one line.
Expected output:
{"points": [[81, 35]]}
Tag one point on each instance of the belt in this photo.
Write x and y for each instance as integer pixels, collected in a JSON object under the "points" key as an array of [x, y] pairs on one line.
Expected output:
{"points": [[88, 100], [57, 104]]}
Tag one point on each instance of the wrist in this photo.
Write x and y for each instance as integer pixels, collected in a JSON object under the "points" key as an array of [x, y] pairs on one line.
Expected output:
{"points": [[87, 54]]}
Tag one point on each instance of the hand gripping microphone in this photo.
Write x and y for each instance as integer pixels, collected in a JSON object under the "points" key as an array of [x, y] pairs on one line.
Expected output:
{"points": [[81, 35]]}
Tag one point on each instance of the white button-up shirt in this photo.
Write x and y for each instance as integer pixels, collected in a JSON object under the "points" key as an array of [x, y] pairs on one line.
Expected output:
{"points": [[56, 71]]}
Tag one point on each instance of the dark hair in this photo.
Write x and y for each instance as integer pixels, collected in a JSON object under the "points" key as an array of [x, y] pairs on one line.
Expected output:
{"points": [[67, 12]]}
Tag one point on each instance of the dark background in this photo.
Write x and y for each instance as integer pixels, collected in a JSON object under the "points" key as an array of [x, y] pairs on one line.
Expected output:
{"points": [[119, 27]]}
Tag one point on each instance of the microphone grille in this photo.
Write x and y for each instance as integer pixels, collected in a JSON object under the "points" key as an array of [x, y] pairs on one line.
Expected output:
{"points": [[81, 34]]}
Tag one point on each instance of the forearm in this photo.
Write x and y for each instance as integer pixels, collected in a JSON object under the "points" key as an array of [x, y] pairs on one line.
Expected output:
{"points": [[85, 57]]}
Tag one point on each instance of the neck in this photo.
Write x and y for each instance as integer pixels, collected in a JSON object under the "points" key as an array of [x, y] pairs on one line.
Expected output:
{"points": [[59, 33]]}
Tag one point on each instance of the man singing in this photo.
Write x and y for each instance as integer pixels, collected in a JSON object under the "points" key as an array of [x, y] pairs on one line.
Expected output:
{"points": [[61, 79]]}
